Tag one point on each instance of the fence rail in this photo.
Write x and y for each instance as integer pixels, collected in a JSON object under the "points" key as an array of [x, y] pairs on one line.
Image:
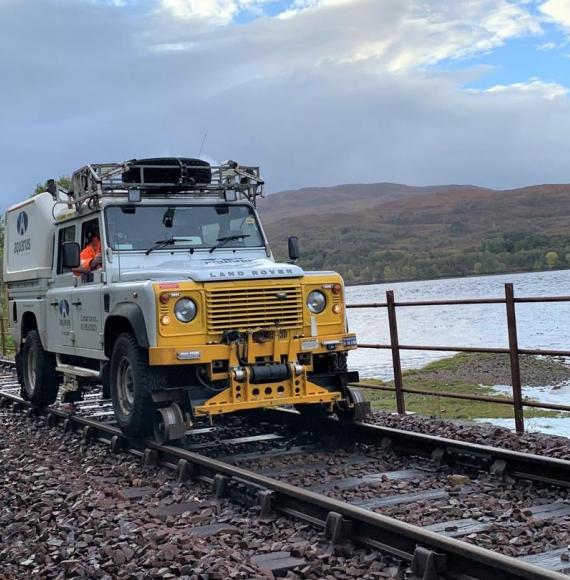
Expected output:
{"points": [[514, 351]]}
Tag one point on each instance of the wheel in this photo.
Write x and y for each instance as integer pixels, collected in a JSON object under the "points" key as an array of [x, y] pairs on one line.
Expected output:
{"points": [[40, 382], [19, 369], [132, 382], [353, 410], [169, 424]]}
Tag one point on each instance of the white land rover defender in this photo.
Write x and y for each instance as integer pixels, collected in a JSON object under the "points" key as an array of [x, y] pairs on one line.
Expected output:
{"points": [[184, 314]]}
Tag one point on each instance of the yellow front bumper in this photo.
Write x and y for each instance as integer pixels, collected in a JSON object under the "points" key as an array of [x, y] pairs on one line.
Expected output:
{"points": [[207, 353]]}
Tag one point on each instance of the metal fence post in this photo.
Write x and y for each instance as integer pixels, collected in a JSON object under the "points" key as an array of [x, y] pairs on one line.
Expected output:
{"points": [[514, 356], [395, 344], [3, 333]]}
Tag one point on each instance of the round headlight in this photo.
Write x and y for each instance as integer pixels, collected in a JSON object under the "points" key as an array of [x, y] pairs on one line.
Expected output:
{"points": [[185, 310], [316, 302]]}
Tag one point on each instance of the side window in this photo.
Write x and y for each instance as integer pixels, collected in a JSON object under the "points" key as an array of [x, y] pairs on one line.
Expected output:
{"points": [[65, 235], [91, 259], [88, 230]]}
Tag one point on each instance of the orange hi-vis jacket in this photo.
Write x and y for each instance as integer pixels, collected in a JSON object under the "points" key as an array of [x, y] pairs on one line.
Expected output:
{"points": [[89, 253]]}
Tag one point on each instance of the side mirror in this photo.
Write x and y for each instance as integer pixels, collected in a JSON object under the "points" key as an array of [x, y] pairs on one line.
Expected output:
{"points": [[294, 252], [71, 255]]}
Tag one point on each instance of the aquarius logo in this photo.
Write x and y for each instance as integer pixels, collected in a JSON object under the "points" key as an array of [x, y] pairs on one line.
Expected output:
{"points": [[22, 223], [64, 308]]}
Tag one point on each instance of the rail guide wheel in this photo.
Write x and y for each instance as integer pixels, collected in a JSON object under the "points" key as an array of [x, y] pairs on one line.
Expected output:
{"points": [[169, 424], [354, 409]]}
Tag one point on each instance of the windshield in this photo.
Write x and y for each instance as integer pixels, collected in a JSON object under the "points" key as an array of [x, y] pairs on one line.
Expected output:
{"points": [[198, 226]]}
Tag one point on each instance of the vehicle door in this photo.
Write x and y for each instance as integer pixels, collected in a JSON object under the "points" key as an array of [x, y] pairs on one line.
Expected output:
{"points": [[87, 300], [60, 323]]}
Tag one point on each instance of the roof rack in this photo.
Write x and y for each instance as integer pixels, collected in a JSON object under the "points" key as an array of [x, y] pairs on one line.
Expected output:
{"points": [[181, 176]]}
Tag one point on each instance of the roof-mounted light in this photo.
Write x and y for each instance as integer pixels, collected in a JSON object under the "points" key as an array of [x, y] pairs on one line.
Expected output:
{"points": [[135, 195]]}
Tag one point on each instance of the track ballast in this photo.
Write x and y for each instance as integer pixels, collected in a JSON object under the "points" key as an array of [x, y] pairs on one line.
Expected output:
{"points": [[341, 483]]}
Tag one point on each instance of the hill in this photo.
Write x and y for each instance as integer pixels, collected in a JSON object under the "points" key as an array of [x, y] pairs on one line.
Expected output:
{"points": [[385, 231]]}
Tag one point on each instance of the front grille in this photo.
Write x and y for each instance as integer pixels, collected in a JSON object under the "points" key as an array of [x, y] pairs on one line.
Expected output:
{"points": [[254, 307]]}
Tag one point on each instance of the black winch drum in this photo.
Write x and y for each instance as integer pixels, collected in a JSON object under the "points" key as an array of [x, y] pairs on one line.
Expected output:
{"points": [[270, 374]]}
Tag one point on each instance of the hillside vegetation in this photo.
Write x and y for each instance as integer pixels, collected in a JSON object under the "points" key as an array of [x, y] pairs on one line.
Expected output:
{"points": [[385, 232]]}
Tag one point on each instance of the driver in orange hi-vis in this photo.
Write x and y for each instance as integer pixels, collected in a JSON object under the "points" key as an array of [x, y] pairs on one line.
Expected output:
{"points": [[91, 254]]}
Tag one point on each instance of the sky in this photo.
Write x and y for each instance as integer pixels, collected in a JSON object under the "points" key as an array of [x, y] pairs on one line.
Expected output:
{"points": [[316, 92]]}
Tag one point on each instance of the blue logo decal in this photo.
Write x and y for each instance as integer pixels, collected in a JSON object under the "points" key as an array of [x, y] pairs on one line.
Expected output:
{"points": [[64, 308], [22, 223]]}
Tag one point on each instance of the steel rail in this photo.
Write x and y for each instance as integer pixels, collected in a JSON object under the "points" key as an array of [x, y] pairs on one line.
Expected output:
{"points": [[431, 555], [500, 461], [529, 466]]}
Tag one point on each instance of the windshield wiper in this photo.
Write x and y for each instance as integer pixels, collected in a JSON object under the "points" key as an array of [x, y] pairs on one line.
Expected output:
{"points": [[223, 241], [161, 244]]}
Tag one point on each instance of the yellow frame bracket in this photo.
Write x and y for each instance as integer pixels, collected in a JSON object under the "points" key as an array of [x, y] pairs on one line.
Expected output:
{"points": [[242, 394]]}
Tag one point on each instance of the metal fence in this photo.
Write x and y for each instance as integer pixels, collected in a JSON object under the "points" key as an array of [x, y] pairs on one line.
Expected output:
{"points": [[516, 401]]}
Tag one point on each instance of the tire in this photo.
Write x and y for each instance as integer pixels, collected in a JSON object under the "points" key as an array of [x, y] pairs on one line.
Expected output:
{"points": [[132, 382], [40, 381], [19, 369]]}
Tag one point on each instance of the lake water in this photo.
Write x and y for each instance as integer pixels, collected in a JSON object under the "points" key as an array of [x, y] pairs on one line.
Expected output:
{"points": [[539, 325]]}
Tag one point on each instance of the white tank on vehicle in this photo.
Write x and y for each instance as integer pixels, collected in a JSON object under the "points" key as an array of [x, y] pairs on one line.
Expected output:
{"points": [[29, 239]]}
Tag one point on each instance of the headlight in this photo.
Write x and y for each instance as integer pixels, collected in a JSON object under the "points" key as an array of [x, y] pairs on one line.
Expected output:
{"points": [[316, 302], [185, 310]]}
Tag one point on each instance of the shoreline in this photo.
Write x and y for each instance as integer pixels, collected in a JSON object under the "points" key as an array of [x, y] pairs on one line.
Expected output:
{"points": [[475, 374], [457, 277]]}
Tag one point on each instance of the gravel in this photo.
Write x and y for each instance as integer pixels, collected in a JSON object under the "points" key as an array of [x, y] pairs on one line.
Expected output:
{"points": [[70, 511], [500, 509], [483, 434], [67, 511]]}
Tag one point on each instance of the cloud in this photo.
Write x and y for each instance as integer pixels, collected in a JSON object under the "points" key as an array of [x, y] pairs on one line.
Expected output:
{"points": [[558, 11], [395, 35], [548, 46], [533, 86], [221, 11], [338, 92]]}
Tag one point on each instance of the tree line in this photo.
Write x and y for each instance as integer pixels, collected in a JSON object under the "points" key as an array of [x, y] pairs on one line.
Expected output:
{"points": [[361, 260]]}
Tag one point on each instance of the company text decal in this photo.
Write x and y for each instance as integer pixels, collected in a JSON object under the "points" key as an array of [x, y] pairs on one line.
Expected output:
{"points": [[22, 245]]}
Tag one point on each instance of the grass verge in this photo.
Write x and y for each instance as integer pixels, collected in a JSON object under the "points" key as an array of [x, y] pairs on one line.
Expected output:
{"points": [[437, 376]]}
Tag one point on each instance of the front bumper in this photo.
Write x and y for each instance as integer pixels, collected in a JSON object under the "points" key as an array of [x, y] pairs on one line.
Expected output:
{"points": [[273, 349]]}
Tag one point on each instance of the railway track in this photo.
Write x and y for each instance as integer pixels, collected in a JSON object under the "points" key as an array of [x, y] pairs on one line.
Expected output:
{"points": [[277, 465]]}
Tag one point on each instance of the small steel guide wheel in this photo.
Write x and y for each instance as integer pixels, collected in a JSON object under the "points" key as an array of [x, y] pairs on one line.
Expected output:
{"points": [[169, 424], [355, 409]]}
